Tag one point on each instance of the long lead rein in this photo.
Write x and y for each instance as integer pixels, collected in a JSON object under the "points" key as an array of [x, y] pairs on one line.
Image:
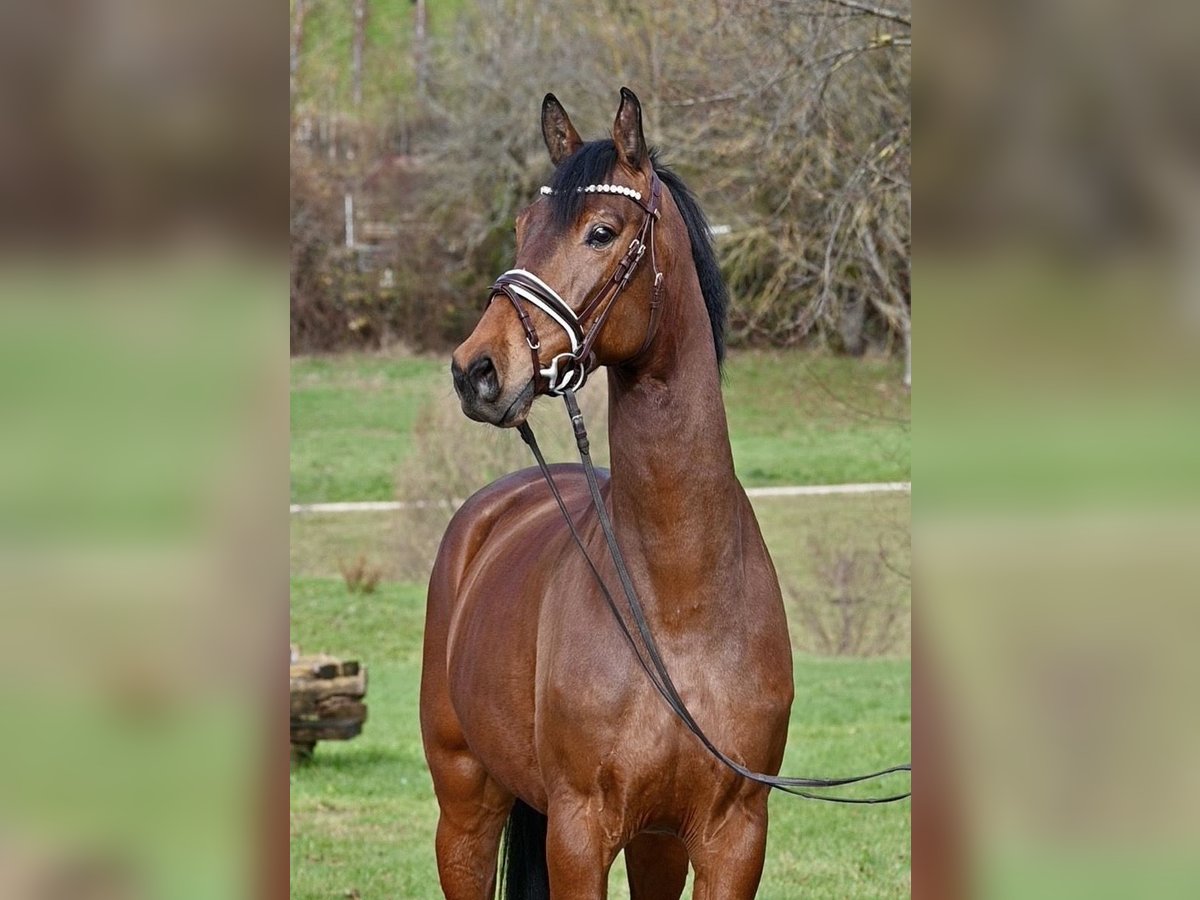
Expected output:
{"points": [[654, 667], [520, 285]]}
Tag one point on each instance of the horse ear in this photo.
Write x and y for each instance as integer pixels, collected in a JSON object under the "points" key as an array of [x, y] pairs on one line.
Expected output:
{"points": [[557, 131], [627, 131]]}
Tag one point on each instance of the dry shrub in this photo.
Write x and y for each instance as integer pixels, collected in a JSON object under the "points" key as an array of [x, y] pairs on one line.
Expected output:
{"points": [[789, 118], [361, 577], [406, 288], [452, 457], [315, 233], [855, 607]]}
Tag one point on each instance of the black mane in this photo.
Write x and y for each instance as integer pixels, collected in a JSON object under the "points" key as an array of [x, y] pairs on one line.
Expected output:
{"points": [[591, 164]]}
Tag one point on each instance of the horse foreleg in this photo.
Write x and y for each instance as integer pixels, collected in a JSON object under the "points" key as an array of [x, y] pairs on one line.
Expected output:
{"points": [[579, 852], [729, 863], [657, 865], [474, 809]]}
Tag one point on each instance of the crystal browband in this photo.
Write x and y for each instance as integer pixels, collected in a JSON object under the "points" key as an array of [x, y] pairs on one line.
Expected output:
{"points": [[602, 189]]}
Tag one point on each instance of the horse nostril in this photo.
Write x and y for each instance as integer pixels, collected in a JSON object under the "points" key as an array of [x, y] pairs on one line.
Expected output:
{"points": [[483, 376], [457, 373]]}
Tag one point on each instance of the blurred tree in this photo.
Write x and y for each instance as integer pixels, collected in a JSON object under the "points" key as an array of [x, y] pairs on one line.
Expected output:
{"points": [[296, 42], [356, 54], [420, 48], [789, 118]]}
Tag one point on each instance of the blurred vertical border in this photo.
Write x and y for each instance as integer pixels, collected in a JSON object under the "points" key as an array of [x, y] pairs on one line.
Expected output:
{"points": [[143, 449], [1057, 450]]}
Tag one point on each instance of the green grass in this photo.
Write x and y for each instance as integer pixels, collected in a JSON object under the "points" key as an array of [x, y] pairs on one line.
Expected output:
{"points": [[351, 417], [363, 812], [808, 418], [794, 418], [796, 530]]}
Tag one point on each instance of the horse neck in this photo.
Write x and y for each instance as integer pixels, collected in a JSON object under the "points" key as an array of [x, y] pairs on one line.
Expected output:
{"points": [[676, 500]]}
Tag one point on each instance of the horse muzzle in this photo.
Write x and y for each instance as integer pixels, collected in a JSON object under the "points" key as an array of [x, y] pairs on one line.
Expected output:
{"points": [[481, 392]]}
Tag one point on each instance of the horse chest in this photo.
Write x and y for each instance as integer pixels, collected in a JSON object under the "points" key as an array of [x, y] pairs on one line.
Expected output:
{"points": [[592, 690]]}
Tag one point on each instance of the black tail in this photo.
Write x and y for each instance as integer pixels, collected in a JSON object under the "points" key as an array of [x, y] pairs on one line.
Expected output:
{"points": [[523, 872]]}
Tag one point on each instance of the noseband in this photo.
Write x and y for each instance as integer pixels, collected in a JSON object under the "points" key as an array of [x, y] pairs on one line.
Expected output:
{"points": [[570, 369]]}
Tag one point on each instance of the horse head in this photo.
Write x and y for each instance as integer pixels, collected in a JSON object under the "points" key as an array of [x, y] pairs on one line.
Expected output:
{"points": [[580, 295]]}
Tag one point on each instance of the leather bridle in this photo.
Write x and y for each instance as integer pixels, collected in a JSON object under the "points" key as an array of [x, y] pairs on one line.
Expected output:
{"points": [[570, 369]]}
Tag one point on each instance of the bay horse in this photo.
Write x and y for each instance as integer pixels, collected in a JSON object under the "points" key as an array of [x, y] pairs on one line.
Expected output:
{"points": [[534, 712]]}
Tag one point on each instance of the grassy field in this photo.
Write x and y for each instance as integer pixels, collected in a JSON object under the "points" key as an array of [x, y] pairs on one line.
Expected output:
{"points": [[363, 812], [375, 426], [351, 420], [800, 533], [794, 418]]}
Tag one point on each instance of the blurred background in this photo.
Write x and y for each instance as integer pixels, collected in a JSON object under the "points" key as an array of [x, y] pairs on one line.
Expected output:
{"points": [[1057, 473], [143, 448]]}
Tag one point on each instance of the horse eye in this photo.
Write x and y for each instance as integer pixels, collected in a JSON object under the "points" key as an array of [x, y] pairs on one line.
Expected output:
{"points": [[601, 236]]}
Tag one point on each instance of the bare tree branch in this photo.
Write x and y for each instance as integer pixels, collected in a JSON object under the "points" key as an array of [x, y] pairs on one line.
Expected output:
{"points": [[877, 11], [811, 150], [714, 98], [883, 41]]}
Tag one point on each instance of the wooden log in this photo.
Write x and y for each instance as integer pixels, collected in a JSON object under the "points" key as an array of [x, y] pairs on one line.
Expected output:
{"points": [[343, 686], [326, 700], [341, 708], [309, 663], [332, 730], [334, 709], [322, 666], [346, 685], [307, 694], [309, 707]]}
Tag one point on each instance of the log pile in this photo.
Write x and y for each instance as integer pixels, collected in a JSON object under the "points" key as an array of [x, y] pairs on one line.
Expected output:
{"points": [[327, 701]]}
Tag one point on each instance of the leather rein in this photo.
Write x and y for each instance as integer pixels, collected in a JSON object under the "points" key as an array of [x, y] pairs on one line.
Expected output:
{"points": [[563, 379]]}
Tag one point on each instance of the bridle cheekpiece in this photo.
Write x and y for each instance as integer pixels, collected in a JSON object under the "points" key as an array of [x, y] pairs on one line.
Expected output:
{"points": [[570, 369]]}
